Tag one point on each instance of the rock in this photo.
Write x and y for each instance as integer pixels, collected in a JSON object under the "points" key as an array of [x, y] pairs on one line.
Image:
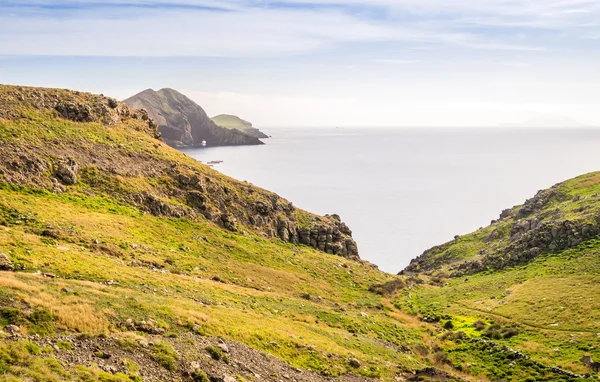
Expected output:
{"points": [[586, 360], [354, 363], [49, 275], [183, 123], [66, 171], [223, 347], [5, 263], [196, 199], [67, 290], [13, 330], [229, 221]]}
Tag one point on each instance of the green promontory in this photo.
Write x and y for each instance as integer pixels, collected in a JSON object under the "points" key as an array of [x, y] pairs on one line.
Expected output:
{"points": [[234, 122]]}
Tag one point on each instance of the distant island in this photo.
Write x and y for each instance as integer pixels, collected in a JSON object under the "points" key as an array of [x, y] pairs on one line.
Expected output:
{"points": [[229, 121], [183, 123]]}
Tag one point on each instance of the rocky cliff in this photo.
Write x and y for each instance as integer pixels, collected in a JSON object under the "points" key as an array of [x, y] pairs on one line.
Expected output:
{"points": [[182, 188], [234, 122], [556, 219], [183, 123]]}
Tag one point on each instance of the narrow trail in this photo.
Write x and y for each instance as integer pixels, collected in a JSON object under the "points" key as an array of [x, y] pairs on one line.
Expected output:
{"points": [[525, 324]]}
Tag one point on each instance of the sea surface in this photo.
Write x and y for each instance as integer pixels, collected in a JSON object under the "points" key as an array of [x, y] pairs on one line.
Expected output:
{"points": [[403, 191]]}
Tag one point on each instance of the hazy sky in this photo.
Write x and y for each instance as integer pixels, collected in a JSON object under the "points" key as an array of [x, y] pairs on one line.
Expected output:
{"points": [[321, 62]]}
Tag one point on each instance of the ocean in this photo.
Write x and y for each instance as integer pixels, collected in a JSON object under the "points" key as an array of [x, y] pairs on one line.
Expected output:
{"points": [[402, 191]]}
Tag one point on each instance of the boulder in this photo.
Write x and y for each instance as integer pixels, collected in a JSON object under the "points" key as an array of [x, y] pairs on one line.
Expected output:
{"points": [[66, 171], [353, 362], [13, 330], [5, 263]]}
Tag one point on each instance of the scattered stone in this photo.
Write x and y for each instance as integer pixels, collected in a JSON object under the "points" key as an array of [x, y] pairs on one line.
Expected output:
{"points": [[13, 330], [66, 171], [49, 275], [354, 363], [223, 347], [5, 263], [586, 360], [67, 290]]}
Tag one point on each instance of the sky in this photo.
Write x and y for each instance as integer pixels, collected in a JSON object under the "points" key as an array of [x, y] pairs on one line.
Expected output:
{"points": [[322, 62]]}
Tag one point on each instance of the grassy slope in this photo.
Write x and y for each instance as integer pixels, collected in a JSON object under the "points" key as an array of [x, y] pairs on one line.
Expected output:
{"points": [[234, 122], [554, 301], [165, 268], [231, 122], [316, 307]]}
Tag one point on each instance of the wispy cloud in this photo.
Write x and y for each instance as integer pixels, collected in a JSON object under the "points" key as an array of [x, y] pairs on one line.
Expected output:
{"points": [[241, 28], [394, 61]]}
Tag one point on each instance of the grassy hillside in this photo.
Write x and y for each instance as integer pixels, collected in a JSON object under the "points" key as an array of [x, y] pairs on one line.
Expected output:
{"points": [[98, 263], [534, 273], [125, 260]]}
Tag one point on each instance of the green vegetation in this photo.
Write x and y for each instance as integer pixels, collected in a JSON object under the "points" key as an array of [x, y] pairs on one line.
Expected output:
{"points": [[165, 355], [234, 122], [102, 260]]}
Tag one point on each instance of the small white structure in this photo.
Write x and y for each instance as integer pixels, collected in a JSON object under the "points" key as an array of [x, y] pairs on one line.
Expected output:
{"points": [[203, 143]]}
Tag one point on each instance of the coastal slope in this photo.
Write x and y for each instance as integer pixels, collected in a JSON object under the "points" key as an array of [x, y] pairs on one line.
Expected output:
{"points": [[183, 123], [523, 290], [122, 259], [234, 122]]}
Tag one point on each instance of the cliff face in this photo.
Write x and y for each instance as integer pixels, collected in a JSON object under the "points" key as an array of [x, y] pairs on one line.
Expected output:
{"points": [[556, 219], [182, 187], [234, 122], [183, 123]]}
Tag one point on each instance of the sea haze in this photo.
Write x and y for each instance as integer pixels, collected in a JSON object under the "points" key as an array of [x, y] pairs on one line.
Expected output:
{"points": [[403, 191]]}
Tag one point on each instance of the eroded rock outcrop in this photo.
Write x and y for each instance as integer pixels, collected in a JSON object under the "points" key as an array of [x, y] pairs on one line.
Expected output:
{"points": [[552, 221], [149, 175]]}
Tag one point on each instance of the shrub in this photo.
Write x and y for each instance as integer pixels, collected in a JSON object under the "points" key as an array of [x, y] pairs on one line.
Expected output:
{"points": [[13, 316], [64, 345], [42, 320], [130, 366], [215, 352], [449, 325], [33, 349], [199, 376], [101, 354], [510, 332], [440, 358], [388, 288], [493, 334], [421, 350], [165, 355], [479, 325]]}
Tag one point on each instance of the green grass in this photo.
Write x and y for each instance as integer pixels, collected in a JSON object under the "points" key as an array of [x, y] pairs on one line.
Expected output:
{"points": [[189, 274]]}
